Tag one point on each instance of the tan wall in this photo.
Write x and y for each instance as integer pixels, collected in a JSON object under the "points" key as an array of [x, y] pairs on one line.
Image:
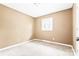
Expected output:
{"points": [[15, 27], [63, 27]]}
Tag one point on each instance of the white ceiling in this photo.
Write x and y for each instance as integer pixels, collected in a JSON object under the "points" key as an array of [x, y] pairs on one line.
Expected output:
{"points": [[39, 9]]}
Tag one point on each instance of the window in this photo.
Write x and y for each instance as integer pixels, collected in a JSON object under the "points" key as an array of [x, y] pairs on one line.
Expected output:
{"points": [[47, 24]]}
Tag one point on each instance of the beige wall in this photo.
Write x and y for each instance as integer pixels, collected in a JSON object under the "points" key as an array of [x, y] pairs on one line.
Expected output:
{"points": [[15, 27], [63, 27]]}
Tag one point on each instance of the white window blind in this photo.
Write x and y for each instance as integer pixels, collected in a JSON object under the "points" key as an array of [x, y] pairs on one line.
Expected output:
{"points": [[47, 24]]}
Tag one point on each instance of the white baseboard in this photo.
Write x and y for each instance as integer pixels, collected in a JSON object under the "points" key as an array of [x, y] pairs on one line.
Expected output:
{"points": [[73, 51], [18, 44], [13, 45], [58, 44]]}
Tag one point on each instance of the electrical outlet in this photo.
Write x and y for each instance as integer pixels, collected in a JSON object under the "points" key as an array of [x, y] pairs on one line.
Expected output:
{"points": [[53, 38]]}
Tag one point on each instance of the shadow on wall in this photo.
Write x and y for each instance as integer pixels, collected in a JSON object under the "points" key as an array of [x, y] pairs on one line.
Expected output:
{"points": [[62, 30], [15, 27]]}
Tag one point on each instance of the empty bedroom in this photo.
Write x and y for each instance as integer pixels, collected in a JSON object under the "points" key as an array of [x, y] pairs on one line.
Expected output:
{"points": [[37, 29]]}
